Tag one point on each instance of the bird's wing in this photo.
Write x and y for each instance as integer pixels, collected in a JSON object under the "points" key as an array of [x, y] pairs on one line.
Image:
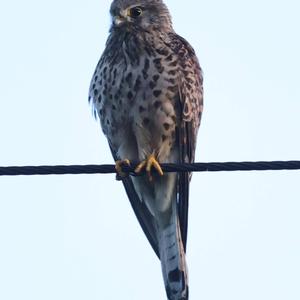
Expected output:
{"points": [[142, 213], [190, 106]]}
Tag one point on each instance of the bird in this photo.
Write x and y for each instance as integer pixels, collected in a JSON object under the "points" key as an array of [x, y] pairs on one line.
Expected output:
{"points": [[147, 92]]}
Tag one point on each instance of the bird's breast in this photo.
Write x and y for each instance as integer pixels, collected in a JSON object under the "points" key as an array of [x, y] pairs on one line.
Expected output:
{"points": [[138, 93]]}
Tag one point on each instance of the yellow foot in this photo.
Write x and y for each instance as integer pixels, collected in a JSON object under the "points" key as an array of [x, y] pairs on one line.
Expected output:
{"points": [[119, 167], [148, 164]]}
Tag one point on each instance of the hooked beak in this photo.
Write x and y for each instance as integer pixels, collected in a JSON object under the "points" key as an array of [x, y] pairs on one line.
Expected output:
{"points": [[118, 20]]}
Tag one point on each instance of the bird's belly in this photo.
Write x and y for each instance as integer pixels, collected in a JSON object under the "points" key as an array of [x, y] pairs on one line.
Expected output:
{"points": [[138, 111]]}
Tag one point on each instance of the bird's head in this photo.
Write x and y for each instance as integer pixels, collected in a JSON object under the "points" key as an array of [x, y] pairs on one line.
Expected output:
{"points": [[140, 15]]}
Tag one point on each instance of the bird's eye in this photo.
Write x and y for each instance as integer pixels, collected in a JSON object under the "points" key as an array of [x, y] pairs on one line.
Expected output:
{"points": [[135, 12]]}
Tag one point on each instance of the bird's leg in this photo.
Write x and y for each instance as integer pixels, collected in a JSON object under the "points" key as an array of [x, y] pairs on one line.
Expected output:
{"points": [[148, 164], [119, 168]]}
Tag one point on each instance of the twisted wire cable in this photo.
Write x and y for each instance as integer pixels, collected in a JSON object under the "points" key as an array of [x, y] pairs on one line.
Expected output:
{"points": [[107, 169]]}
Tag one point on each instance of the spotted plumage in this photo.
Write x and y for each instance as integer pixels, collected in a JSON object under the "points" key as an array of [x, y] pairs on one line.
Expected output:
{"points": [[147, 92]]}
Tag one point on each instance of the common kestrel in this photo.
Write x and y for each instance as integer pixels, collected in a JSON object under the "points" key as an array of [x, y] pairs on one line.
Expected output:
{"points": [[147, 92]]}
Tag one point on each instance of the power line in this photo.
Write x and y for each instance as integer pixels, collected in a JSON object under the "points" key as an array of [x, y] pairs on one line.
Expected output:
{"points": [[107, 169]]}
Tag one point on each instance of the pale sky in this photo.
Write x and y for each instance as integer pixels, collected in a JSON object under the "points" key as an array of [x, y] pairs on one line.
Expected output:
{"points": [[76, 237]]}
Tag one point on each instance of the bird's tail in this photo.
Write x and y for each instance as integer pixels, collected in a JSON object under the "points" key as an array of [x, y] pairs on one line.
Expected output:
{"points": [[172, 256]]}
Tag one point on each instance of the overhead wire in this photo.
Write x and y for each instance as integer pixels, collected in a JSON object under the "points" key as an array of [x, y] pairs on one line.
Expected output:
{"points": [[107, 169]]}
